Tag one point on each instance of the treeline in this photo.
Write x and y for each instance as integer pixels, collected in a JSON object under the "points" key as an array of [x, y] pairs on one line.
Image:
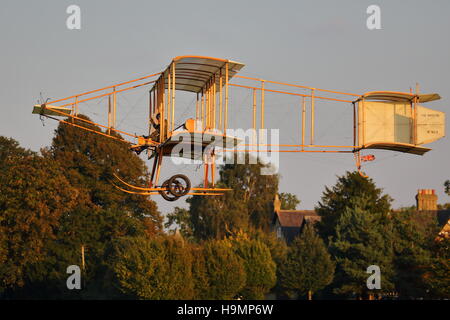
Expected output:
{"points": [[57, 202], [329, 259], [61, 202]]}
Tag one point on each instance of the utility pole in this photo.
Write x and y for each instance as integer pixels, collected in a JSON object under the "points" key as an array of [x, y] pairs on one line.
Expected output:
{"points": [[82, 267], [82, 257]]}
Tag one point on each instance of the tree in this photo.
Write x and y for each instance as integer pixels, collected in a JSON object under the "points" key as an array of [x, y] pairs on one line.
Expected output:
{"points": [[224, 268], [249, 205], [101, 213], [278, 251], [34, 195], [200, 277], [259, 267], [363, 238], [289, 201], [337, 199], [9, 150], [158, 268], [412, 256], [180, 219], [215, 217], [277, 247], [437, 277], [308, 267], [256, 190], [90, 162]]}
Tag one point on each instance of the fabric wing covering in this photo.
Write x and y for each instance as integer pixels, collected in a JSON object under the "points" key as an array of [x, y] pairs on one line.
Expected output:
{"points": [[192, 72], [387, 122]]}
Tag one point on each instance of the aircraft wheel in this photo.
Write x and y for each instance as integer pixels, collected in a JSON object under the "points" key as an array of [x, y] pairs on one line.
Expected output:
{"points": [[166, 193], [179, 185]]}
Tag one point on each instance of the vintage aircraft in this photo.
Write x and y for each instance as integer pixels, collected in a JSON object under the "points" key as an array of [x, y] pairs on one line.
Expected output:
{"points": [[381, 120]]}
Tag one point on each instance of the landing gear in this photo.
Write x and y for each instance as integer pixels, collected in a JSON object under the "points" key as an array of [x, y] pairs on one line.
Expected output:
{"points": [[166, 194], [179, 185], [175, 187]]}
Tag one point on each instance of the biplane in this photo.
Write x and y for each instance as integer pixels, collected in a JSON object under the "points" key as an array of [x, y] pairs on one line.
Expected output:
{"points": [[381, 120]]}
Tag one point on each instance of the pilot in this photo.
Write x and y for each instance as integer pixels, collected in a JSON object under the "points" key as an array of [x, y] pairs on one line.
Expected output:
{"points": [[155, 130]]}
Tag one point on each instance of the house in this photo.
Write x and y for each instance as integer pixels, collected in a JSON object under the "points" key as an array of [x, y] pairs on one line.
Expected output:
{"points": [[428, 212], [445, 232], [289, 223]]}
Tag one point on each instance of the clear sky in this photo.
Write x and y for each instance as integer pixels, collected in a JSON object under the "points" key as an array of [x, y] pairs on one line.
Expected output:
{"points": [[323, 44]]}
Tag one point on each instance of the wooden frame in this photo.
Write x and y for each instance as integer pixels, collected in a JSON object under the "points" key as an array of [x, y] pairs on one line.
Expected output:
{"points": [[209, 79]]}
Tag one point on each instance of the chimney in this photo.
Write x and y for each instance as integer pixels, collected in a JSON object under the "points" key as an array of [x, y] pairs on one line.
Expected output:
{"points": [[426, 200], [277, 203]]}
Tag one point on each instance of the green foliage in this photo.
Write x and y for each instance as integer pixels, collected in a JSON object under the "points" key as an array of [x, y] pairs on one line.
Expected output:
{"points": [[259, 267], [158, 268], [363, 238], [308, 267], [412, 256], [200, 276], [104, 213], [447, 187], [437, 278], [180, 218], [89, 162], [9, 150], [278, 247], [249, 205], [445, 206], [34, 195], [257, 191], [214, 217], [336, 200], [53, 204], [278, 251], [224, 268], [289, 201]]}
